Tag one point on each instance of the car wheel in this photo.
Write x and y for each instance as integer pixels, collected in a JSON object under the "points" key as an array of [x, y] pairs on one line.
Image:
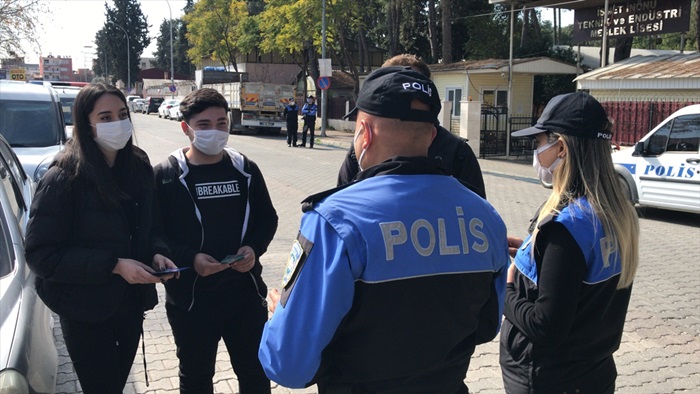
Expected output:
{"points": [[625, 189]]}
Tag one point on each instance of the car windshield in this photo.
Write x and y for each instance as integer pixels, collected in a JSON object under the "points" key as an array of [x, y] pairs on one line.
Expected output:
{"points": [[67, 105], [29, 123]]}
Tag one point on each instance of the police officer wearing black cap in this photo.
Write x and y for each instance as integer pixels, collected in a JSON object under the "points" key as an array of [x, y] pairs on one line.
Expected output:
{"points": [[570, 284], [308, 111], [458, 158], [396, 277]]}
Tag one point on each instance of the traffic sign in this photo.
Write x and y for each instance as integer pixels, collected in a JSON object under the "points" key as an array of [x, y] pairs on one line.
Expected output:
{"points": [[173, 88], [324, 83]]}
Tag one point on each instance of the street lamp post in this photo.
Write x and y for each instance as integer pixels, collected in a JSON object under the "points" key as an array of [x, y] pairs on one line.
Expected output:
{"points": [[128, 58], [172, 63]]}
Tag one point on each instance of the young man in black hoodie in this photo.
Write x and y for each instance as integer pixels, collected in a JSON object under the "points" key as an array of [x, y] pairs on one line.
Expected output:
{"points": [[214, 205]]}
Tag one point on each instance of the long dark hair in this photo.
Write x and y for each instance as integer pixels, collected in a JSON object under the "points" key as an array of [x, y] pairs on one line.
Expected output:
{"points": [[83, 161]]}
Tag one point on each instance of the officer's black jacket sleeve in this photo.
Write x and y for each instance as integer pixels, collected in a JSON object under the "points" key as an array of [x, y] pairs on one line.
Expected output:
{"points": [[547, 320], [349, 168]]}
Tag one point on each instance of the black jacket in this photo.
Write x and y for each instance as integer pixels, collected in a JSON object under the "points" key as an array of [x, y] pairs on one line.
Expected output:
{"points": [[559, 334], [291, 113], [183, 230], [73, 241], [458, 160]]}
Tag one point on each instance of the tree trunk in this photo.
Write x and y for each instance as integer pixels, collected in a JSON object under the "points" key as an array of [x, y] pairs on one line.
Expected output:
{"points": [[697, 25], [525, 31], [535, 24], [623, 48], [432, 31], [554, 26], [363, 50], [446, 6], [393, 26]]}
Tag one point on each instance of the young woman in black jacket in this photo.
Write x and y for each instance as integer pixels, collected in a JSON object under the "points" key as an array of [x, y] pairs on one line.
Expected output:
{"points": [[90, 241]]}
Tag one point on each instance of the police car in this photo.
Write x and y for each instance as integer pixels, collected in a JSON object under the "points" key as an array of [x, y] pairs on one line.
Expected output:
{"points": [[663, 169]]}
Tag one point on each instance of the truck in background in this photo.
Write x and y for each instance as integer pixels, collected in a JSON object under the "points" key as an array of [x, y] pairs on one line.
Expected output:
{"points": [[253, 105]]}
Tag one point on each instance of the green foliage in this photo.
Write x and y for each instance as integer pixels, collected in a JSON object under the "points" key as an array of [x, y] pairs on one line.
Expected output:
{"points": [[548, 86], [181, 62], [216, 28], [111, 40]]}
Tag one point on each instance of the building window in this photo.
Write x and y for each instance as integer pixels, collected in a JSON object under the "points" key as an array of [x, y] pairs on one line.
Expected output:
{"points": [[495, 98], [455, 96]]}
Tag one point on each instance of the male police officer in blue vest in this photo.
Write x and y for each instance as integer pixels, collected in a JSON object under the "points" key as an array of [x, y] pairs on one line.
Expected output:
{"points": [[397, 276]]}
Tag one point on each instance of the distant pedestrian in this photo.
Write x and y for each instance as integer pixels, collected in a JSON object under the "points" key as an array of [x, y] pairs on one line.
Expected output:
{"points": [[458, 158], [291, 113], [392, 281], [90, 241], [309, 112], [218, 219], [569, 287]]}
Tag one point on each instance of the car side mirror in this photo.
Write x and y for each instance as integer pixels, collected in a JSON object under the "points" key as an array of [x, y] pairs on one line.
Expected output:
{"points": [[639, 148]]}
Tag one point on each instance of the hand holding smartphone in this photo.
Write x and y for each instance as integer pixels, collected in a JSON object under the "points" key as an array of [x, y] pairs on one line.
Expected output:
{"points": [[169, 271], [232, 258]]}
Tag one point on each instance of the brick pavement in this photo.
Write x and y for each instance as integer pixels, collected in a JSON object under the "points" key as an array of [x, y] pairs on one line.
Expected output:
{"points": [[660, 351]]}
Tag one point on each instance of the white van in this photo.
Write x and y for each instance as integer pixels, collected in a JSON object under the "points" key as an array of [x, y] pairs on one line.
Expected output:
{"points": [[31, 120], [663, 169]]}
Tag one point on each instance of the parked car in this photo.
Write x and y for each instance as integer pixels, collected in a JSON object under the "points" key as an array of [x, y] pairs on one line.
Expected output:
{"points": [[663, 169], [138, 105], [152, 104], [164, 109], [66, 95], [130, 102], [28, 356], [31, 120], [174, 111]]}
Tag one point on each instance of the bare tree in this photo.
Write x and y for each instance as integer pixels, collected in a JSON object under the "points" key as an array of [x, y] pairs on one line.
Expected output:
{"points": [[19, 22]]}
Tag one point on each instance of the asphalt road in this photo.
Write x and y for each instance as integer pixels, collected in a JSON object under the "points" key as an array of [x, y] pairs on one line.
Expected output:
{"points": [[660, 351]]}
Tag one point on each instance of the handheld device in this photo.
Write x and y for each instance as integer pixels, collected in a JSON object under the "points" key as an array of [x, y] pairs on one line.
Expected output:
{"points": [[169, 271], [232, 258]]}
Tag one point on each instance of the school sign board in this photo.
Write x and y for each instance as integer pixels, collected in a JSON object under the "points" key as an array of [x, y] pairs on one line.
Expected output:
{"points": [[632, 18]]}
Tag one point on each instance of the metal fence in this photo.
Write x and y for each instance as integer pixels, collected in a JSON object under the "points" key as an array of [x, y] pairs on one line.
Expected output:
{"points": [[633, 119]]}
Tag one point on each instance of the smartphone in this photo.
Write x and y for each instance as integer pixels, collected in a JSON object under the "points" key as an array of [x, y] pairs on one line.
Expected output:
{"points": [[232, 258], [169, 271]]}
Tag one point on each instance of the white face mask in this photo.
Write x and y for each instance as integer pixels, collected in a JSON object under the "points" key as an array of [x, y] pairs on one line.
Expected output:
{"points": [[545, 173], [113, 136], [362, 154], [209, 142]]}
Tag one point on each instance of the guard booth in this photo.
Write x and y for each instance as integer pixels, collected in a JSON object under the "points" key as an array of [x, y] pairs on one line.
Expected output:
{"points": [[486, 82]]}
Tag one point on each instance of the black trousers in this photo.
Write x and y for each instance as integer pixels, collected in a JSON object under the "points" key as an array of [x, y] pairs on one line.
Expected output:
{"points": [[197, 334], [309, 125], [292, 133], [103, 353]]}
